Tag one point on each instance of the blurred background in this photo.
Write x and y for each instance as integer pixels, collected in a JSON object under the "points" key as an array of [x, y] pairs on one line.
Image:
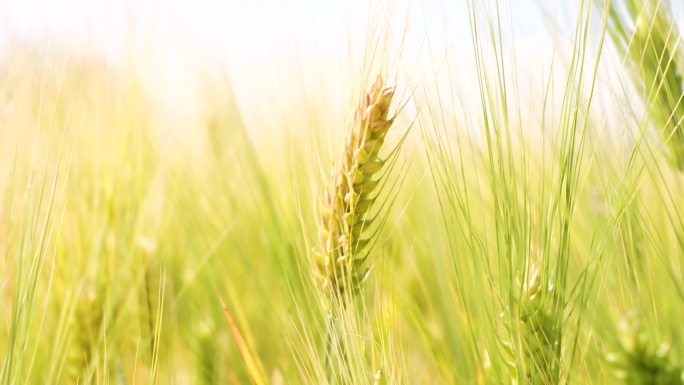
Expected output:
{"points": [[159, 157]]}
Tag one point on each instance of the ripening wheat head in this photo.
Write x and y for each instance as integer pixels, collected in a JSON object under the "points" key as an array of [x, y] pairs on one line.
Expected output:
{"points": [[346, 215]]}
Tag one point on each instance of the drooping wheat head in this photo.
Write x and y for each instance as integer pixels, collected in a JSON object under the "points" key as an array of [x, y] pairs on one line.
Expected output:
{"points": [[347, 216]]}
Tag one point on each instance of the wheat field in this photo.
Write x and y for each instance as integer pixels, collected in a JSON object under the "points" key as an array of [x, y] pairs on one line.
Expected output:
{"points": [[483, 192]]}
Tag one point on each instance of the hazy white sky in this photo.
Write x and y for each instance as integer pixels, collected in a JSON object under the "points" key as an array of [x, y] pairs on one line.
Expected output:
{"points": [[246, 32], [248, 29], [268, 39], [256, 36]]}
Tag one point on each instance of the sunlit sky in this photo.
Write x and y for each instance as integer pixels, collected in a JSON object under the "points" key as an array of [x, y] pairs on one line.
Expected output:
{"points": [[239, 34], [251, 38], [249, 30], [242, 33]]}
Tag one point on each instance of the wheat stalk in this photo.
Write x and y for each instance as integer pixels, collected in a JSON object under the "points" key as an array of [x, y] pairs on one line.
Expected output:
{"points": [[342, 266]]}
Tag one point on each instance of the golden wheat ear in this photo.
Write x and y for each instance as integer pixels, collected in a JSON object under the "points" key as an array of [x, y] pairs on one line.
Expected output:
{"points": [[347, 214]]}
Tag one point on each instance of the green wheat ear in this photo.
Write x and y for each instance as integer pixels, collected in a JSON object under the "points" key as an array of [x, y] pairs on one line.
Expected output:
{"points": [[207, 353], [639, 360], [88, 320], [347, 213], [655, 43], [533, 357], [657, 59]]}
